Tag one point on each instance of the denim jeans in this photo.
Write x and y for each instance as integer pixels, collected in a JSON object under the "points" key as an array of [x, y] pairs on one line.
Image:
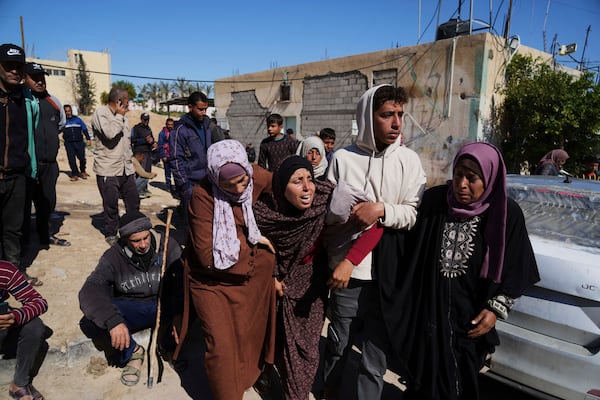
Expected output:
{"points": [[137, 314]]}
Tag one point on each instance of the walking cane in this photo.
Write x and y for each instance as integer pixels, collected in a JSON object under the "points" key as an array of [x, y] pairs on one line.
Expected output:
{"points": [[153, 358]]}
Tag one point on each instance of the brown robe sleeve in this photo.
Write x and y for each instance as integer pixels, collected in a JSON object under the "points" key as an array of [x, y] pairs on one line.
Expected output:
{"points": [[201, 221]]}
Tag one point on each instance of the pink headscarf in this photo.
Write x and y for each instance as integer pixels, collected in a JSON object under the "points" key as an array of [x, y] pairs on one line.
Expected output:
{"points": [[492, 201]]}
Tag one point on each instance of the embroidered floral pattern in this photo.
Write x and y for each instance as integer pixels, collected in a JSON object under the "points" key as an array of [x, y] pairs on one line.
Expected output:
{"points": [[457, 246]]}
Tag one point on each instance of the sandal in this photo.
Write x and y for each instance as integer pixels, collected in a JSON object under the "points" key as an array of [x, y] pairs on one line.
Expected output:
{"points": [[130, 370], [33, 281], [20, 393], [59, 242], [35, 393]]}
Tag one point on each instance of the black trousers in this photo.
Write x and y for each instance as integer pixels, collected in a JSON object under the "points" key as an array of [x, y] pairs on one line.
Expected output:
{"points": [[111, 189], [12, 197], [28, 345], [42, 192], [76, 151]]}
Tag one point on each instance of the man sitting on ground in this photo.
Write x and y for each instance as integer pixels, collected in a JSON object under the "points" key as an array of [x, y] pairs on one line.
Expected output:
{"points": [[120, 296]]}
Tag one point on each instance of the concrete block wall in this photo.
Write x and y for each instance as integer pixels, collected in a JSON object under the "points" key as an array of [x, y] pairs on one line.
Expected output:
{"points": [[247, 118], [329, 101], [451, 84], [389, 76]]}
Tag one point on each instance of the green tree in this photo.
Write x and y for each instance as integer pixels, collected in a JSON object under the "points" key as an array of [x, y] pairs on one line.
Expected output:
{"points": [[130, 87], [104, 98], [182, 86], [545, 108], [165, 90], [207, 88], [151, 91], [85, 88]]}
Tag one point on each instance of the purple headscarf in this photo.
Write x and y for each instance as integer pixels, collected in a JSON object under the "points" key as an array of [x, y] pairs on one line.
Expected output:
{"points": [[492, 201], [555, 157], [226, 245]]}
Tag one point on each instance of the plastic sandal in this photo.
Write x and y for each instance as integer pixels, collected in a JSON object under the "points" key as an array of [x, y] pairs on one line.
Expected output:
{"points": [[33, 281], [20, 393], [130, 371], [35, 393], [59, 242]]}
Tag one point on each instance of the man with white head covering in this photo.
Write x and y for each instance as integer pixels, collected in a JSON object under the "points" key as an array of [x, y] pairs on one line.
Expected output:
{"points": [[378, 164]]}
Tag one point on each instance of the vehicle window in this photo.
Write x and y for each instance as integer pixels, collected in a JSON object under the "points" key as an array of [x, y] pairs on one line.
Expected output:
{"points": [[564, 215]]}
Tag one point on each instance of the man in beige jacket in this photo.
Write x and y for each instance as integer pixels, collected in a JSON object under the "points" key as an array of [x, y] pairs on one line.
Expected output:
{"points": [[112, 160]]}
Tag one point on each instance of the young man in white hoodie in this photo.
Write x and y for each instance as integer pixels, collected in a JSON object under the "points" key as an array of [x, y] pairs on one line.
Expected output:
{"points": [[392, 174]]}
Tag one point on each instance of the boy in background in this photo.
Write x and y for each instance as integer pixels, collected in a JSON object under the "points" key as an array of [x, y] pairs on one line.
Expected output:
{"points": [[277, 147], [327, 135]]}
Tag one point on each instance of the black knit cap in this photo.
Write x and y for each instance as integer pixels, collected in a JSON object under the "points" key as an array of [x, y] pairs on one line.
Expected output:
{"points": [[133, 222]]}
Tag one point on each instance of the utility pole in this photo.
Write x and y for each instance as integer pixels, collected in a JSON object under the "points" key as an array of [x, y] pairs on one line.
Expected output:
{"points": [[507, 25], [22, 34], [545, 19]]}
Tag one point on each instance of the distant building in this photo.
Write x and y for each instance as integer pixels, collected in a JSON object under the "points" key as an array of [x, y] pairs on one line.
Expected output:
{"points": [[62, 79], [452, 84]]}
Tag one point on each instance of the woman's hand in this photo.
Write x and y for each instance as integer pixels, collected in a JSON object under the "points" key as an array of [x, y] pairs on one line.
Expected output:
{"points": [[341, 275], [263, 240], [482, 323], [279, 287]]}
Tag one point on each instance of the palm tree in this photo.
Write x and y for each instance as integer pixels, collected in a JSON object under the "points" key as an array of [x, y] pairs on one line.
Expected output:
{"points": [[182, 86], [165, 90]]}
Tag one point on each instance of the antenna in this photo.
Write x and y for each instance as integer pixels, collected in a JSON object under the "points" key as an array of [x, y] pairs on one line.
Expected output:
{"points": [[587, 34], [419, 24], [545, 20]]}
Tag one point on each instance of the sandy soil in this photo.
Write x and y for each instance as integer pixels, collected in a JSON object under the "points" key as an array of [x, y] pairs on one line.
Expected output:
{"points": [[69, 373], [73, 368]]}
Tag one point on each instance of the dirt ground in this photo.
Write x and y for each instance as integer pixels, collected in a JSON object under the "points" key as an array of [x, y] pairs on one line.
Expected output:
{"points": [[74, 370]]}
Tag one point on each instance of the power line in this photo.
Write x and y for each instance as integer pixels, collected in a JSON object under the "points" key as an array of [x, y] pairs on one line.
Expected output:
{"points": [[126, 75], [212, 81]]}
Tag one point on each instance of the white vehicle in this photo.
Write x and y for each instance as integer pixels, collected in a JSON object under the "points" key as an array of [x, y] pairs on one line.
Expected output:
{"points": [[550, 344]]}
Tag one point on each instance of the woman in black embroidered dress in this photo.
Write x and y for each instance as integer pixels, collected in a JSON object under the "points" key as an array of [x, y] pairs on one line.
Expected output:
{"points": [[471, 258]]}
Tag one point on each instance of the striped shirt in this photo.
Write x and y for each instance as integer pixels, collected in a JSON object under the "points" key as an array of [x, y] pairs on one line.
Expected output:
{"points": [[13, 282]]}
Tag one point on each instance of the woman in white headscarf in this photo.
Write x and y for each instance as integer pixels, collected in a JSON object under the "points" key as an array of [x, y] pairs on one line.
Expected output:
{"points": [[313, 149]]}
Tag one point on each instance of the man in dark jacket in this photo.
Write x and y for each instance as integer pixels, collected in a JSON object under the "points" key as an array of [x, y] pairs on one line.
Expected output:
{"points": [[17, 120], [42, 188], [188, 142], [142, 142], [73, 133], [120, 295]]}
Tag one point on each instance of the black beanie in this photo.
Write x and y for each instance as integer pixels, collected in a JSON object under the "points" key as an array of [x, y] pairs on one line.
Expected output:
{"points": [[133, 222]]}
